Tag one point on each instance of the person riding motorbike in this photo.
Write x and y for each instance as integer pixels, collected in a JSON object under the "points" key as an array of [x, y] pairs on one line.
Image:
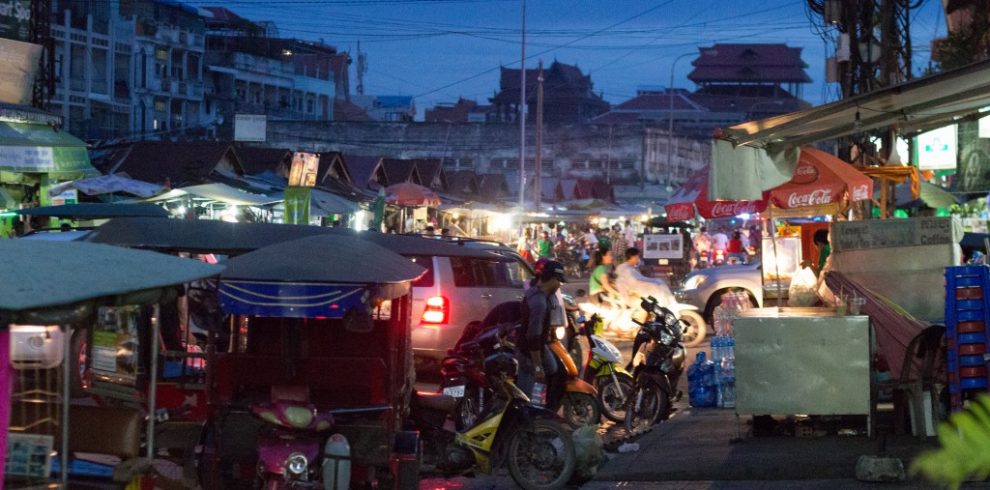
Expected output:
{"points": [[538, 305], [628, 280]]}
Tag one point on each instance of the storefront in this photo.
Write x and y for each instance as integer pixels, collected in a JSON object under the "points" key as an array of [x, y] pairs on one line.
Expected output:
{"points": [[35, 155]]}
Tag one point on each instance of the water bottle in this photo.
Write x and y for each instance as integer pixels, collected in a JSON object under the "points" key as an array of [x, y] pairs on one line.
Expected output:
{"points": [[727, 385], [700, 382]]}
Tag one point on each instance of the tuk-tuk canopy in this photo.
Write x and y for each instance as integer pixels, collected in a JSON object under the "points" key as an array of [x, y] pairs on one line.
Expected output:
{"points": [[319, 276], [90, 210], [197, 236], [43, 275]]}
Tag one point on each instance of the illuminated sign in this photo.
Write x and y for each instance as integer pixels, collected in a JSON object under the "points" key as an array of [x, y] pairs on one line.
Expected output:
{"points": [[937, 149]]}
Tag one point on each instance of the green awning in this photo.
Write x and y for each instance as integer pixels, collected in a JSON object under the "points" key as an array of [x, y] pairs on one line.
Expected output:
{"points": [[39, 148]]}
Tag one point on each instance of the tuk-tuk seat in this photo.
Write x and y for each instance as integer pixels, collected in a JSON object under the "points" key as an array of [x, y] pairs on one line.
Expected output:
{"points": [[337, 381], [290, 393]]}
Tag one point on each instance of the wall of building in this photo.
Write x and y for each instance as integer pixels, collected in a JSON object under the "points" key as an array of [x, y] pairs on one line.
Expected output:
{"points": [[619, 154]]}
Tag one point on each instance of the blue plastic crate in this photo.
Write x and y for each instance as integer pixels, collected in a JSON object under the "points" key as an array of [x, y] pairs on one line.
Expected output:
{"points": [[969, 316], [969, 361], [970, 338], [969, 304], [973, 383]]}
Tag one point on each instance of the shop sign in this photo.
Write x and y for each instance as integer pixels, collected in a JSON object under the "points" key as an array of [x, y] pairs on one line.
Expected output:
{"points": [[304, 168], [727, 209], [973, 174], [816, 197], [868, 234], [18, 66], [15, 19], [663, 247], [29, 455], [115, 343], [250, 127], [44, 159], [297, 202], [68, 196], [937, 149]]}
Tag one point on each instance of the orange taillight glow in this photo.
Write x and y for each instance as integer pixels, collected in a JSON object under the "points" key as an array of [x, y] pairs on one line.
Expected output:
{"points": [[437, 310]]}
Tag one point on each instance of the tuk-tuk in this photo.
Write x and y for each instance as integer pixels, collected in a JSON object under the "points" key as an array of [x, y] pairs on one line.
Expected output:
{"points": [[317, 378], [48, 290]]}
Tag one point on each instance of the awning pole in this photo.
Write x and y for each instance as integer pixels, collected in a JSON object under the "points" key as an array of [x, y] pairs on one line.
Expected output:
{"points": [[66, 398], [776, 259], [153, 384]]}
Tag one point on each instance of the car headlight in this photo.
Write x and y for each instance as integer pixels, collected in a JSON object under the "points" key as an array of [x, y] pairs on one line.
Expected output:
{"points": [[560, 332], [695, 282], [296, 464]]}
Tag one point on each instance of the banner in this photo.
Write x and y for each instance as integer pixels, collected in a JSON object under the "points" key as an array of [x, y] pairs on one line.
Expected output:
{"points": [[18, 66], [15, 20], [297, 205]]}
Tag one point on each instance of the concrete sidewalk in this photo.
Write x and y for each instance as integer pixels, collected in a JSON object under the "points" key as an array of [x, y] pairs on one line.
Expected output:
{"points": [[697, 445]]}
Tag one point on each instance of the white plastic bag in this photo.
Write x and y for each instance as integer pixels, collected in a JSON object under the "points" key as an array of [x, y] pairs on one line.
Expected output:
{"points": [[803, 290]]}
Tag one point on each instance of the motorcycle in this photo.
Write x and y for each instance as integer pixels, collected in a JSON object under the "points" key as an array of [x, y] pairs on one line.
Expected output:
{"points": [[289, 450], [657, 376], [603, 368], [538, 450], [580, 399]]}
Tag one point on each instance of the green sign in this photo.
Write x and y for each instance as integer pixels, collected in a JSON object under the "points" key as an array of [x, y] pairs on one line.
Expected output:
{"points": [[297, 205], [15, 19]]}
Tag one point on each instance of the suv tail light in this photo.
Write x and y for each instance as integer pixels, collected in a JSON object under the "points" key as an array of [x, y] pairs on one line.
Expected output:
{"points": [[437, 310]]}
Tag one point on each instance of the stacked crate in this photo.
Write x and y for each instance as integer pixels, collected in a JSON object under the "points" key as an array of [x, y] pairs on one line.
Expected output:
{"points": [[967, 316]]}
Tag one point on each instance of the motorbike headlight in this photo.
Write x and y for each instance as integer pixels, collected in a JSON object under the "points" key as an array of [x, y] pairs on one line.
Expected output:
{"points": [[666, 338], [695, 282], [560, 333], [296, 464]]}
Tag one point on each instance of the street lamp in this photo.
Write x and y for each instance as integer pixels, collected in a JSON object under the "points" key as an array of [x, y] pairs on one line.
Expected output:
{"points": [[670, 121]]}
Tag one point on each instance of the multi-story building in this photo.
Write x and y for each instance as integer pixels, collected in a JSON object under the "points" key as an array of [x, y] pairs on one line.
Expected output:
{"points": [[568, 98], [128, 68], [252, 71]]}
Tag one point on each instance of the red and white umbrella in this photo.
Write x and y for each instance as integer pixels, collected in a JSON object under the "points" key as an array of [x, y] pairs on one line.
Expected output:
{"points": [[693, 195], [821, 180], [409, 194]]}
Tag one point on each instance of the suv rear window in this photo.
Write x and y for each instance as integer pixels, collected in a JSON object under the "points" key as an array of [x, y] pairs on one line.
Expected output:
{"points": [[426, 262], [473, 272]]}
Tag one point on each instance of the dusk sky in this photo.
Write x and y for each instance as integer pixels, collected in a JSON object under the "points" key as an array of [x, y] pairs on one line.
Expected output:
{"points": [[438, 50]]}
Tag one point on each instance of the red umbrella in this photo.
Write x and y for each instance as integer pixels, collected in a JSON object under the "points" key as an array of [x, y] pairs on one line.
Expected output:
{"points": [[694, 194], [409, 194], [821, 179]]}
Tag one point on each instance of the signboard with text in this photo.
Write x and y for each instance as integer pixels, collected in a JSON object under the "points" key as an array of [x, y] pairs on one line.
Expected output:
{"points": [[250, 127], [18, 66], [937, 149], [663, 247], [868, 234], [15, 19]]}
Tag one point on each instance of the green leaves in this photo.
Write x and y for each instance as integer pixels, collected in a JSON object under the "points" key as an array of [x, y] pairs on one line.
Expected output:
{"points": [[965, 451]]}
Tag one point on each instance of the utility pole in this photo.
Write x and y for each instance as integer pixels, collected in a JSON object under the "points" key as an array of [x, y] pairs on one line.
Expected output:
{"points": [[538, 171], [608, 158], [40, 33], [522, 114]]}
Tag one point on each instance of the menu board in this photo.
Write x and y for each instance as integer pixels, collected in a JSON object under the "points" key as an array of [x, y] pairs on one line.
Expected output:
{"points": [[663, 247], [115, 343]]}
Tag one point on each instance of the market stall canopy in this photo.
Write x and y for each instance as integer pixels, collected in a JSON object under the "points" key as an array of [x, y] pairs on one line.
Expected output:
{"points": [[40, 148], [751, 157], [324, 203], [693, 195], [931, 196], [410, 245], [218, 192], [197, 236], [97, 211], [323, 276], [109, 184], [42, 274], [409, 194], [821, 181]]}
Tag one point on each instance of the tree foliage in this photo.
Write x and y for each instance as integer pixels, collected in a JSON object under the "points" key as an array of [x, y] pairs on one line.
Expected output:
{"points": [[965, 448]]}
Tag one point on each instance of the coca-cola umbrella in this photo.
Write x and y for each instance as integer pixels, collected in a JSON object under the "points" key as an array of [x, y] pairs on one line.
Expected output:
{"points": [[820, 185], [409, 194], [693, 195]]}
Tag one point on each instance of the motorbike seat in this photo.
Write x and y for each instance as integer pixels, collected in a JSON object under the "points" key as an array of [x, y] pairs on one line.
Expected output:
{"points": [[435, 401]]}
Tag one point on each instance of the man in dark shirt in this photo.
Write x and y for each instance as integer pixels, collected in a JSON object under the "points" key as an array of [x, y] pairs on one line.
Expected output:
{"points": [[537, 305]]}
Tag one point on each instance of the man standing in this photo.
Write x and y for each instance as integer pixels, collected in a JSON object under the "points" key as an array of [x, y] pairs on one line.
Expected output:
{"points": [[591, 238], [537, 307], [630, 234]]}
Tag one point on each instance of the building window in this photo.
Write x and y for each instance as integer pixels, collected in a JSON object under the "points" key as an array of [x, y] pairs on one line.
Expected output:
{"points": [[310, 107], [160, 105], [629, 164], [161, 54]]}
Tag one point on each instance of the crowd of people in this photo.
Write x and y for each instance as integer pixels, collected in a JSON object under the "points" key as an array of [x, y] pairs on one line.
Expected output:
{"points": [[571, 245], [722, 245]]}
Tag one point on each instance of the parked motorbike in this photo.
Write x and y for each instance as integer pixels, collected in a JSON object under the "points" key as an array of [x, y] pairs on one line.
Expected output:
{"points": [[462, 371], [537, 449], [604, 369], [580, 400], [657, 376], [289, 450]]}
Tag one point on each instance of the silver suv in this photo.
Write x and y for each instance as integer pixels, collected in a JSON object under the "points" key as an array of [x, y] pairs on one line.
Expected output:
{"points": [[704, 288], [464, 280]]}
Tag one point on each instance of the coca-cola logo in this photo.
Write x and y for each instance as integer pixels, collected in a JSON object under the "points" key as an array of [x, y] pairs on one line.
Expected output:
{"points": [[814, 198], [805, 174], [732, 208], [861, 192]]}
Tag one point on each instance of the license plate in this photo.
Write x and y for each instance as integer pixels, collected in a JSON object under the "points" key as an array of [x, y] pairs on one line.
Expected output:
{"points": [[454, 391]]}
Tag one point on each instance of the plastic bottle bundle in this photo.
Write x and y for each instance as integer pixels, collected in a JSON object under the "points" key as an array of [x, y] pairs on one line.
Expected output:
{"points": [[702, 391], [727, 373]]}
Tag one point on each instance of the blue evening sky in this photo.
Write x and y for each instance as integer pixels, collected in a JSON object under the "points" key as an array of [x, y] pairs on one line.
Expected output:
{"points": [[438, 50]]}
